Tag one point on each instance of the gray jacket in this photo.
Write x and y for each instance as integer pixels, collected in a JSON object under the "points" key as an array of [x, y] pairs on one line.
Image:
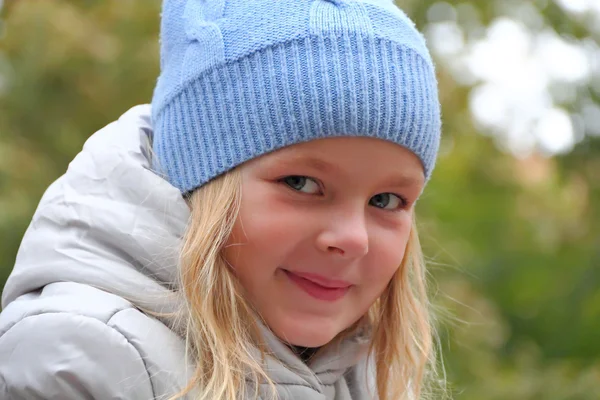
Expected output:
{"points": [[101, 247]]}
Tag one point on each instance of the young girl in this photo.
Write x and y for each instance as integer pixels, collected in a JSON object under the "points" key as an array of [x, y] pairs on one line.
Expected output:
{"points": [[251, 233]]}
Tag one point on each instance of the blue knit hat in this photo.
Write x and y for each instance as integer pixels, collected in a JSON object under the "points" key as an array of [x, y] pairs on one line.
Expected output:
{"points": [[241, 78]]}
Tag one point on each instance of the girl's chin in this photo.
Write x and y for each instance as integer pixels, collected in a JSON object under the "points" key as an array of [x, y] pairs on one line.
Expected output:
{"points": [[306, 334]]}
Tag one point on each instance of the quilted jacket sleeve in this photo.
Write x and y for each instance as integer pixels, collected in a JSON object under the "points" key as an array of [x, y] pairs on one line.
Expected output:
{"points": [[70, 357]]}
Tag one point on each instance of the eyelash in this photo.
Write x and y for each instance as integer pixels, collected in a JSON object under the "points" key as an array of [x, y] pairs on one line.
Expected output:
{"points": [[403, 201]]}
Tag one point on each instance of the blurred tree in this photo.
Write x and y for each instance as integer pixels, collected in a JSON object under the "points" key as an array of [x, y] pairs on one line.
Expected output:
{"points": [[66, 69], [513, 241]]}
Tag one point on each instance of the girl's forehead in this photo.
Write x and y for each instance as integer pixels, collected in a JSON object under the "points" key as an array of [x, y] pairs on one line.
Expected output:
{"points": [[336, 155]]}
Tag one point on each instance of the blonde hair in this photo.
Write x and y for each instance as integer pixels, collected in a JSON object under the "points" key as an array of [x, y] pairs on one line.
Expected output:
{"points": [[222, 335]]}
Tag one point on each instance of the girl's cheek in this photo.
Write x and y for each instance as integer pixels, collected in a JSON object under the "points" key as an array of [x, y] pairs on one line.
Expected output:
{"points": [[388, 251]]}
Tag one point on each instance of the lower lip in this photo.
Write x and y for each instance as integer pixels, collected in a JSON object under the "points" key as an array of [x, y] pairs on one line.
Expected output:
{"points": [[315, 290]]}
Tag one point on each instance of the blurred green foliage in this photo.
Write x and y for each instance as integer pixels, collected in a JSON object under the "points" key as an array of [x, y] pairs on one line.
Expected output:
{"points": [[513, 243]]}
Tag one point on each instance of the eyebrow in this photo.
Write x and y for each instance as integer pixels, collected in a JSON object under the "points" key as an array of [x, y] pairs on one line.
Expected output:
{"points": [[316, 163], [313, 162], [325, 167], [404, 181]]}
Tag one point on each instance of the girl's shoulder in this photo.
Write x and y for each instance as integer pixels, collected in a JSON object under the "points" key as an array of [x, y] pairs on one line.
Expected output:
{"points": [[75, 341]]}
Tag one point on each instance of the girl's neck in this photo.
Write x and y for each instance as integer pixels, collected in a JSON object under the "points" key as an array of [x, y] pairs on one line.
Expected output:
{"points": [[305, 353]]}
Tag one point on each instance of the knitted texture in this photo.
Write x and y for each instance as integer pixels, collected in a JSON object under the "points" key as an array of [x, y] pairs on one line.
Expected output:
{"points": [[245, 77]]}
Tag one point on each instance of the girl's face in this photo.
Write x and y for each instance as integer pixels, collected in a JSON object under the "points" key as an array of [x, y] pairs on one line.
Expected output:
{"points": [[323, 227]]}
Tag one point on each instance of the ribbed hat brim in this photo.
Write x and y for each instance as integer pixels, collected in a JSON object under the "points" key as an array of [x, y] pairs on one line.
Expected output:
{"points": [[304, 89]]}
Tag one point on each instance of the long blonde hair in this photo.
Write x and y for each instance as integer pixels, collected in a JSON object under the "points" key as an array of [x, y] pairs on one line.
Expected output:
{"points": [[220, 328]]}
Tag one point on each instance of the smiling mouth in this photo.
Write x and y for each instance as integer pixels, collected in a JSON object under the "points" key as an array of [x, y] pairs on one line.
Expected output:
{"points": [[319, 287]]}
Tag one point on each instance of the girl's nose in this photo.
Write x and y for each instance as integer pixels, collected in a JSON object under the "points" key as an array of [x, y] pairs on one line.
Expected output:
{"points": [[346, 235]]}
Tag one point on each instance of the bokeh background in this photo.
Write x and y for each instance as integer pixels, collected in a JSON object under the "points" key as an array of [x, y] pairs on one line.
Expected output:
{"points": [[510, 221]]}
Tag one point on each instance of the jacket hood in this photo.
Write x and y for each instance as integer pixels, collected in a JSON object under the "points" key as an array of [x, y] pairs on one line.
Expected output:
{"points": [[108, 222], [112, 223]]}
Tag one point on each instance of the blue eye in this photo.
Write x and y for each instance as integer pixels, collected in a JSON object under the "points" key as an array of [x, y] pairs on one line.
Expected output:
{"points": [[387, 201], [302, 184]]}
